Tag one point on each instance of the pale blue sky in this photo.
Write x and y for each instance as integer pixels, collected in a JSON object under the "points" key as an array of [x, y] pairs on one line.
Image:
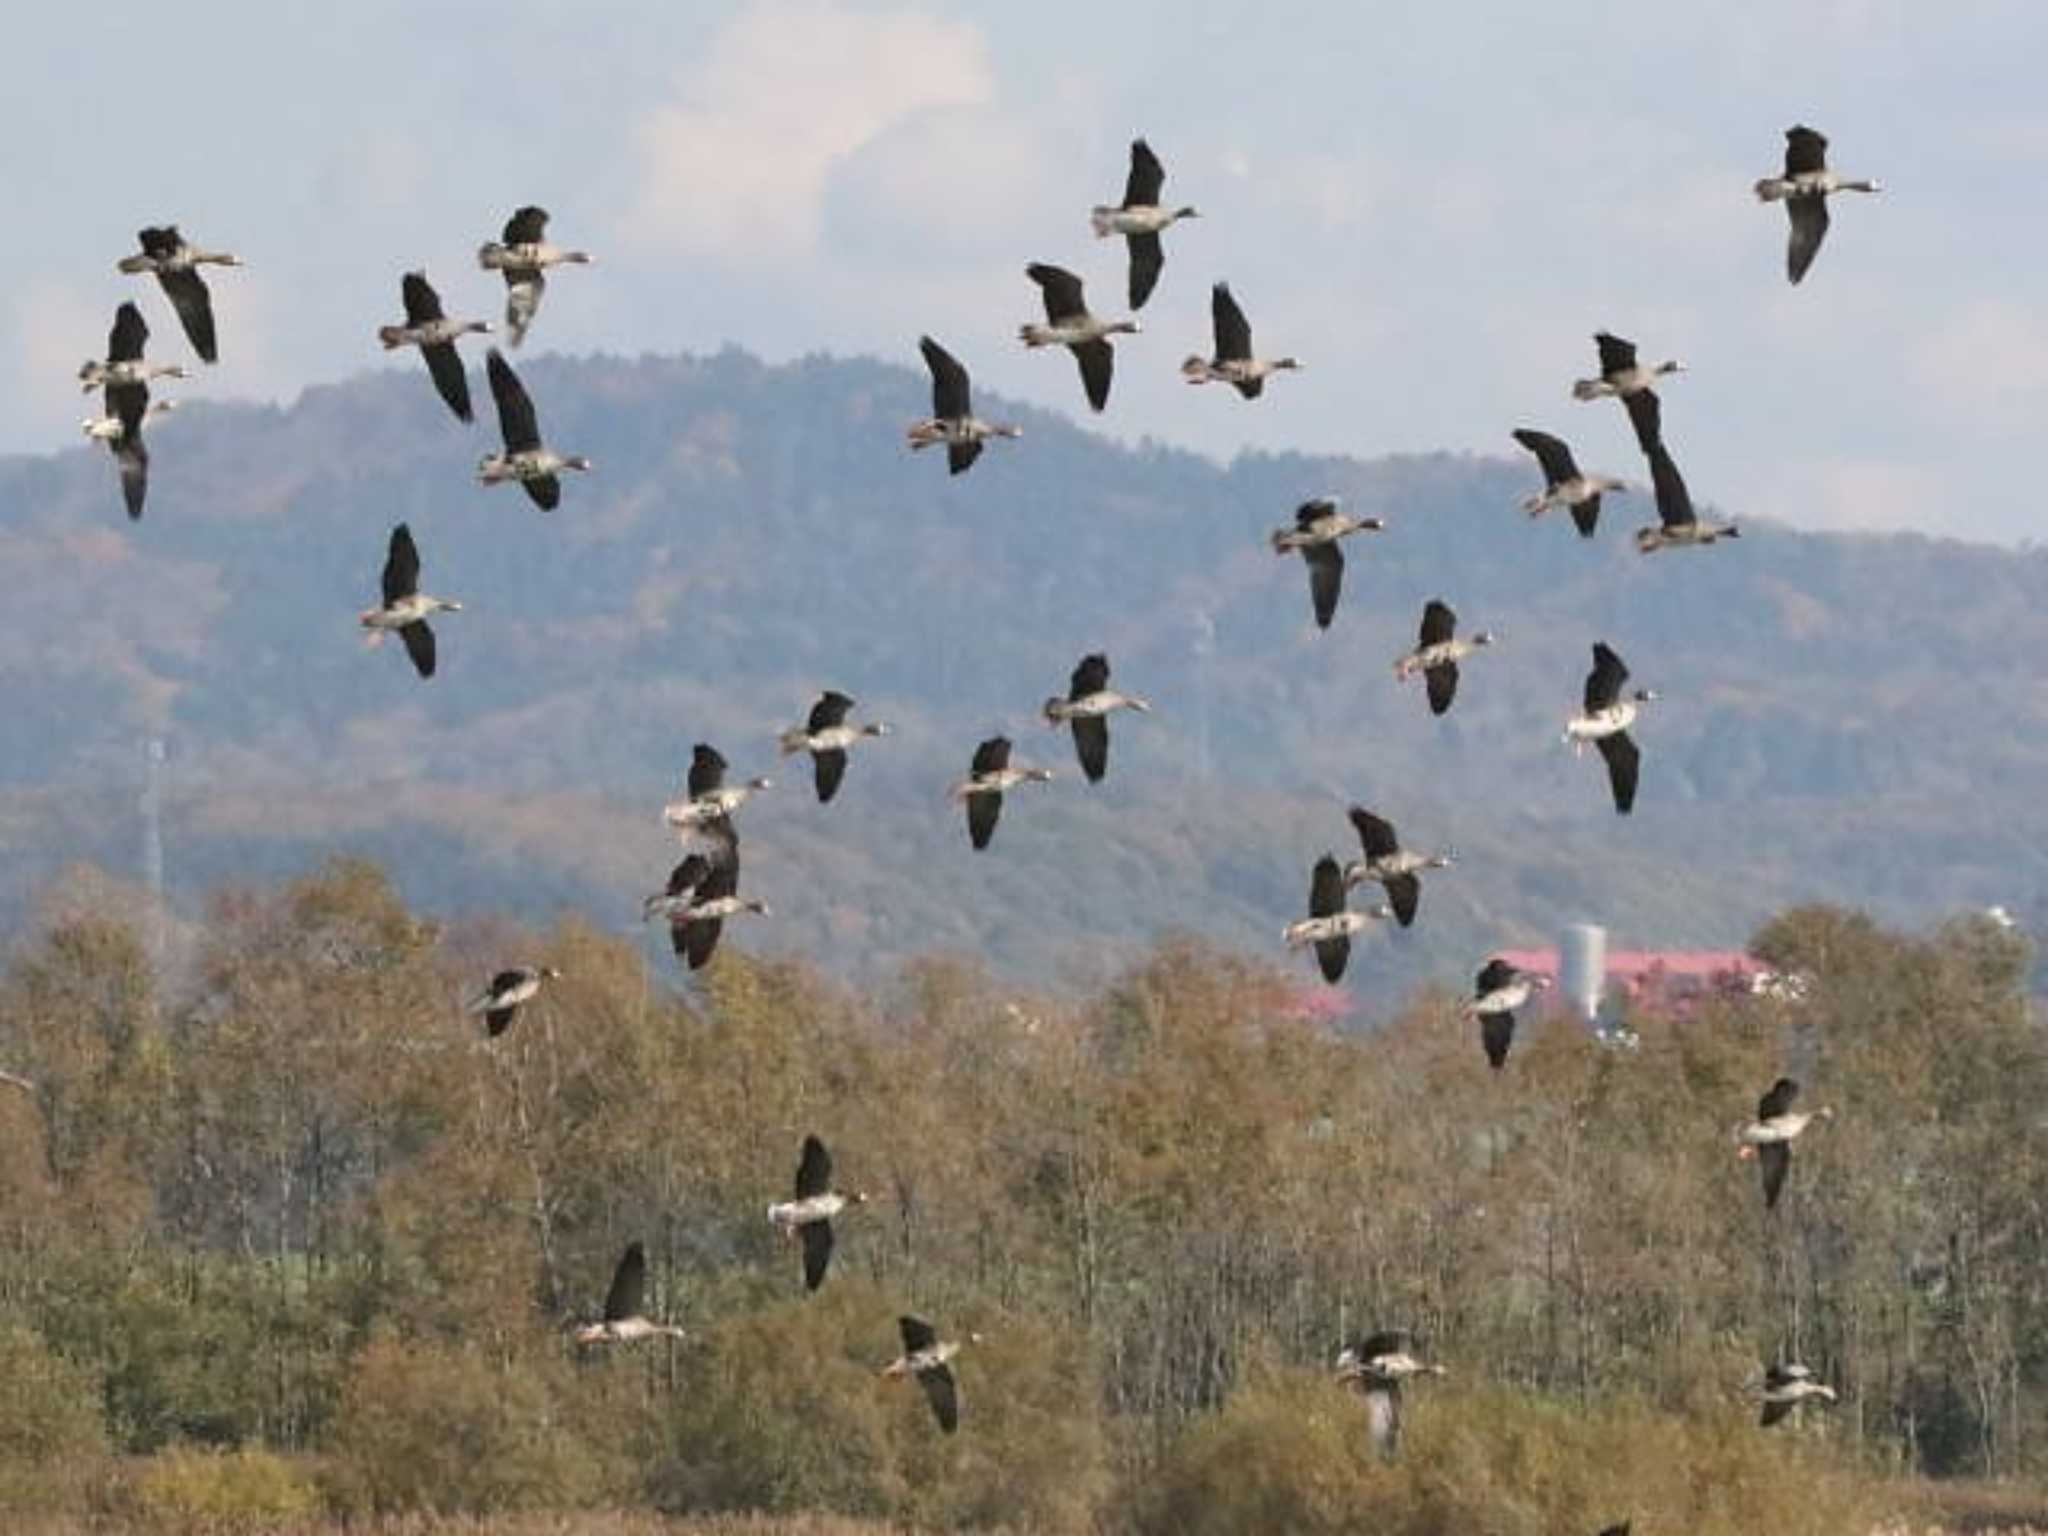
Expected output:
{"points": [[1434, 205]]}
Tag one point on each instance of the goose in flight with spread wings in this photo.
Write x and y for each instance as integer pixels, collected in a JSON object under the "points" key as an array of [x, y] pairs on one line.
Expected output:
{"points": [[1139, 219]]}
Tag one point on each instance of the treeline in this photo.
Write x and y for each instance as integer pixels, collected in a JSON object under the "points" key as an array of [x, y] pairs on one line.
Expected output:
{"points": [[281, 1231]]}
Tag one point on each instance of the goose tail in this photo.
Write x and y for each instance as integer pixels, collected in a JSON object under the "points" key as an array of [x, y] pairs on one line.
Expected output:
{"points": [[1589, 389], [1099, 221], [392, 336], [795, 739]]}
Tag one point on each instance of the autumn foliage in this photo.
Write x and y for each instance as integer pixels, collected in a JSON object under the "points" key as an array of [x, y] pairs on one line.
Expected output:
{"points": [[283, 1236]]}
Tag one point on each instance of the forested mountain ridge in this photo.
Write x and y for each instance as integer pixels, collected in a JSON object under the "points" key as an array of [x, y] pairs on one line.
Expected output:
{"points": [[1844, 716]]}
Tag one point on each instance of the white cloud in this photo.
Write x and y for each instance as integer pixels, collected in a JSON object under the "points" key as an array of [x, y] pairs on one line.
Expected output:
{"points": [[790, 89]]}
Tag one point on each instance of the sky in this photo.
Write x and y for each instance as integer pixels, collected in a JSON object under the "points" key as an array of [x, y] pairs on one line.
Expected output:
{"points": [[1434, 206]]}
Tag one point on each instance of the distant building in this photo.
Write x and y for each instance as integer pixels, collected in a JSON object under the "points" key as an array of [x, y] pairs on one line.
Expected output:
{"points": [[1595, 981]]}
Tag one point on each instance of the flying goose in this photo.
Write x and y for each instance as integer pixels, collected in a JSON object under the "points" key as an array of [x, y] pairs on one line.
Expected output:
{"points": [[622, 1323], [1318, 525], [1621, 375], [674, 900], [1087, 707], [1804, 189], [1379, 1363], [524, 458], [1605, 721], [124, 381], [510, 990], [1497, 992], [924, 1356], [1330, 924], [1139, 219], [697, 926], [524, 257], [1786, 1387], [1563, 484], [406, 608], [1233, 363], [826, 736], [1678, 523], [988, 776], [809, 1215], [176, 264], [708, 799], [1395, 868], [1769, 1137], [952, 420], [1437, 654], [427, 328], [1068, 324]]}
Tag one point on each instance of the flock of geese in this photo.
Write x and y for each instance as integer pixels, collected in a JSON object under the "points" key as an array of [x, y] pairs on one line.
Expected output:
{"points": [[702, 890]]}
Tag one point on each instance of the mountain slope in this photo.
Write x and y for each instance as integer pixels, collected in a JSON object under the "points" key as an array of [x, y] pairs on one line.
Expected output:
{"points": [[1857, 718]]}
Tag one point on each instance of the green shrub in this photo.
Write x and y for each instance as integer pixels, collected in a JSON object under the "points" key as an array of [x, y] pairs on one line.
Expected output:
{"points": [[198, 1487], [53, 1443]]}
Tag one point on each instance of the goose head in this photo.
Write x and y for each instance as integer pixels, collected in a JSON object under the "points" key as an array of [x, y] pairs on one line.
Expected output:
{"points": [[1287, 364], [579, 258], [576, 461], [1372, 525], [1195, 213], [759, 909], [1670, 365], [1128, 326], [1485, 637], [1645, 696], [1038, 775], [1445, 859], [760, 783], [447, 605], [876, 728], [549, 973]]}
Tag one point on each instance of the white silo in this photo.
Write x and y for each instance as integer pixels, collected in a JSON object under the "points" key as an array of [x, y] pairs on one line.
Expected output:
{"points": [[1582, 968]]}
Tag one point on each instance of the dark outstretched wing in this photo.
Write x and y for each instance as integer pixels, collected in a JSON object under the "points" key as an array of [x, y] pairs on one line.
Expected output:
{"points": [[1403, 892], [827, 769], [1332, 955], [1326, 888], [1494, 975], [1616, 355], [983, 811], [1778, 1099], [498, 1020], [817, 1241], [401, 566], [545, 491], [186, 290], [830, 710], [629, 1285], [1141, 187], [131, 458], [917, 1334], [1586, 514], [1325, 580], [1496, 1034], [961, 454], [444, 365], [1061, 290], [1551, 453], [419, 645], [1442, 683], [1091, 745], [700, 940], [1674, 502], [517, 423], [707, 769], [1805, 150], [813, 1169], [125, 340], [1774, 1412], [992, 756], [1148, 257], [943, 1394], [949, 385], [1388, 1341], [422, 304], [1604, 682], [1809, 216], [1375, 833], [1091, 676], [687, 876], [1646, 415], [1233, 331], [1439, 623], [1623, 760], [1097, 360], [1774, 1161], [529, 226]]}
